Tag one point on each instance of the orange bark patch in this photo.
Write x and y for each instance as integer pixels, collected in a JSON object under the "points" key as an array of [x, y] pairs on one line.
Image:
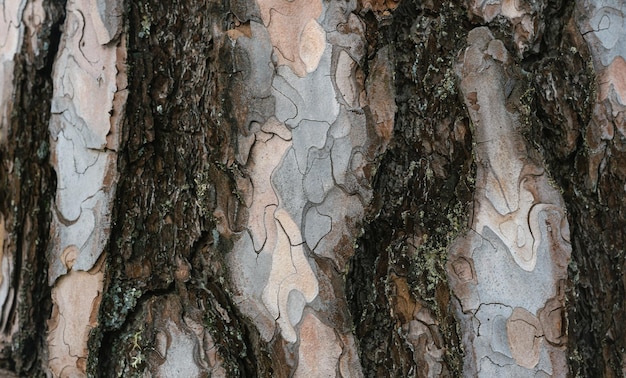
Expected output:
{"points": [[298, 40], [381, 95], [319, 350], [524, 333], [241, 30], [403, 302], [614, 77], [76, 298]]}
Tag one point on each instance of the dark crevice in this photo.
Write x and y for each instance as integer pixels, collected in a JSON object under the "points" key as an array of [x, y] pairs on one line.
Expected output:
{"points": [[421, 192], [27, 185], [172, 179], [558, 124]]}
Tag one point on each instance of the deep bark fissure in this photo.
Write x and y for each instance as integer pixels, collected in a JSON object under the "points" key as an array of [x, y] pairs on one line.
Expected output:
{"points": [[173, 177], [423, 191], [565, 63], [27, 185]]}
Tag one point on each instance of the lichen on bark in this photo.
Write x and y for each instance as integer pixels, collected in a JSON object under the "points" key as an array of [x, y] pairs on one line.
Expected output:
{"points": [[422, 190]]}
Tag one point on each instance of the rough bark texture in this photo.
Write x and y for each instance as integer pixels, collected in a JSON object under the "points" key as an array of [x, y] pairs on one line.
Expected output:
{"points": [[592, 174], [400, 300], [312, 188], [30, 37]]}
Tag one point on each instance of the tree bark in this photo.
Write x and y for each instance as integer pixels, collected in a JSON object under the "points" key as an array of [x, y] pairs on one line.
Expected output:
{"points": [[312, 188]]}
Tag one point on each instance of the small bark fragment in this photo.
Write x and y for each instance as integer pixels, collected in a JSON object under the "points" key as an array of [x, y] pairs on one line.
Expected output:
{"points": [[298, 40], [526, 18], [525, 337], [381, 8]]}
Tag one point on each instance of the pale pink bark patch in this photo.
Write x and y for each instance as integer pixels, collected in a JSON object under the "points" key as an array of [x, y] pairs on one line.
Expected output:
{"points": [[524, 333], [299, 41], [319, 350], [75, 298]]}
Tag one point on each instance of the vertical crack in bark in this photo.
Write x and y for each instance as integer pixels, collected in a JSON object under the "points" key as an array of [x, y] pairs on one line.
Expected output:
{"points": [[26, 181], [167, 299], [575, 91], [397, 285]]}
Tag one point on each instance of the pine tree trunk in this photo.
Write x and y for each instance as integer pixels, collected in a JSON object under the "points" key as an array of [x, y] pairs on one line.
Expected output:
{"points": [[312, 188]]}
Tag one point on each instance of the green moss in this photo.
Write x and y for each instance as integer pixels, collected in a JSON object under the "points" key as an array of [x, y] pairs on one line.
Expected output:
{"points": [[137, 358], [166, 207]]}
